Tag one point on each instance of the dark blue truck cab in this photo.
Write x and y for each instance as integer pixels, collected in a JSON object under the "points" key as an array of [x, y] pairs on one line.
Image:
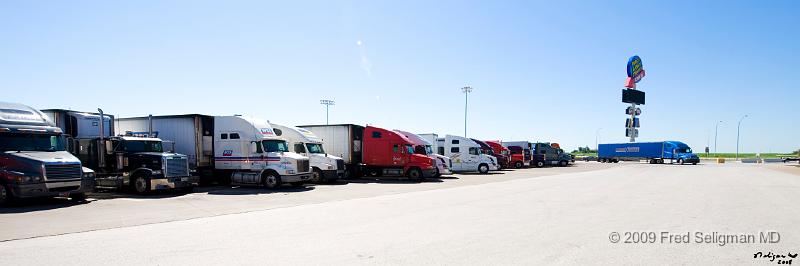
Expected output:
{"points": [[655, 152]]}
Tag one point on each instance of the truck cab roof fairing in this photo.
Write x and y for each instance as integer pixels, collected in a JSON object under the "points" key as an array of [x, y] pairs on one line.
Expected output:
{"points": [[256, 129]]}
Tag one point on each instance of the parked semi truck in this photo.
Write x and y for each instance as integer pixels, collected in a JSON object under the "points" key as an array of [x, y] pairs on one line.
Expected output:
{"points": [[498, 148], [326, 168], [521, 154], [138, 163], [228, 149], [552, 154], [654, 152], [467, 155], [33, 158], [374, 151], [423, 146], [502, 160]]}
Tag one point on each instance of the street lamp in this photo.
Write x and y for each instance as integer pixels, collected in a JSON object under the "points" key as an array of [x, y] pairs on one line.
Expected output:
{"points": [[327, 104], [716, 133], [738, 128], [466, 91]]}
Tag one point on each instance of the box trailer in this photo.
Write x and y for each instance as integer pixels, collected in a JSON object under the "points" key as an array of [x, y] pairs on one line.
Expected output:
{"points": [[654, 152], [374, 151]]}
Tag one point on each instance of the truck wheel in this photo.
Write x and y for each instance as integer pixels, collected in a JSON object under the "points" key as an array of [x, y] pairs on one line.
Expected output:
{"points": [[437, 174], [483, 169], [563, 163], [415, 174], [317, 176], [141, 185], [272, 180], [680, 161], [78, 196], [615, 161], [539, 164], [518, 165], [694, 163], [5, 195]]}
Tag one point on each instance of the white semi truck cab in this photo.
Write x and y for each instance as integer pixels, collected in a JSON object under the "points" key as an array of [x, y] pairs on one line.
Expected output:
{"points": [[326, 168], [467, 155], [248, 150]]}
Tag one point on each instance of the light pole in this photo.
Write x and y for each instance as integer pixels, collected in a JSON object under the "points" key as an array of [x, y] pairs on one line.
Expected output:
{"points": [[327, 104], [716, 132], [466, 91], [597, 140], [738, 129]]}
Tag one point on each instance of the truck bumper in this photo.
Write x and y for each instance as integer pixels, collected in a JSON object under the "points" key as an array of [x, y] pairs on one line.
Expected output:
{"points": [[493, 167], [305, 177], [445, 171], [692, 160], [331, 175], [53, 189], [173, 182], [429, 172]]}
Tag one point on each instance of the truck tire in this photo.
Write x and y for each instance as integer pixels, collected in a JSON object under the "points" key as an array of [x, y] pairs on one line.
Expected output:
{"points": [[615, 161], [680, 161], [271, 180], [563, 163], [141, 184], [483, 168], [5, 195], [437, 174], [539, 164], [415, 174], [518, 165], [317, 178], [79, 197]]}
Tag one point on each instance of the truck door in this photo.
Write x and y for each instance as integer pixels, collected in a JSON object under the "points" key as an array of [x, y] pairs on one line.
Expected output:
{"points": [[473, 158], [398, 155]]}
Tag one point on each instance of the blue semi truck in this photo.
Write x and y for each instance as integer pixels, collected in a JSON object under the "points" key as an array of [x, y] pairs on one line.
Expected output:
{"points": [[655, 152]]}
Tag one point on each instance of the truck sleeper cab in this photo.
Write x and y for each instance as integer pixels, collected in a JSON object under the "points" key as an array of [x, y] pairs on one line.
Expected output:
{"points": [[467, 155], [553, 155], [326, 168], [248, 151], [424, 147], [33, 158]]}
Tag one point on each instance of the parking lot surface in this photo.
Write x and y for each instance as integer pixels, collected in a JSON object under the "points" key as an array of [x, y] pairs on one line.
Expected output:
{"points": [[530, 216]]}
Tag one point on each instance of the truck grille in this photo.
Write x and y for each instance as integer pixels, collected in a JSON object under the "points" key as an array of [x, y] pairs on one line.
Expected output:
{"points": [[176, 166], [62, 171], [340, 164], [302, 166]]}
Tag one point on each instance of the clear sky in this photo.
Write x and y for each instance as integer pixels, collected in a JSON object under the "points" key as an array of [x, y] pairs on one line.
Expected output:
{"points": [[546, 70]]}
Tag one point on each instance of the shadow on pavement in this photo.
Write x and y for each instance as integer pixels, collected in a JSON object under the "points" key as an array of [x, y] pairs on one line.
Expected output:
{"points": [[237, 190], [39, 204], [391, 180]]}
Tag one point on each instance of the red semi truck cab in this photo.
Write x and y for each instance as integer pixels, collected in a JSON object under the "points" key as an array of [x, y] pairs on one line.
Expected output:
{"points": [[501, 152], [386, 152]]}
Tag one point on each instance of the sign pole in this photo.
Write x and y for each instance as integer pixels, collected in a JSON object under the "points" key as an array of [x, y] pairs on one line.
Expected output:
{"points": [[632, 126]]}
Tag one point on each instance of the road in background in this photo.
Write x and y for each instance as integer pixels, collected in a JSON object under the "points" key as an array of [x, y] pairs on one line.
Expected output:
{"points": [[533, 216]]}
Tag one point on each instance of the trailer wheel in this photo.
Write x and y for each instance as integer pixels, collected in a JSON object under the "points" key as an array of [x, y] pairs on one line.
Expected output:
{"points": [[415, 174], [141, 184], [615, 161], [694, 163], [271, 180], [5, 195], [518, 165], [483, 168]]}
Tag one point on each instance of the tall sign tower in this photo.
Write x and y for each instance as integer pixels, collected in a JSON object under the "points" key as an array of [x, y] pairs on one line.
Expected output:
{"points": [[633, 96]]}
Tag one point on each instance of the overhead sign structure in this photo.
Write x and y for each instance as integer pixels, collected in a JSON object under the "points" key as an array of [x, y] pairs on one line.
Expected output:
{"points": [[633, 96]]}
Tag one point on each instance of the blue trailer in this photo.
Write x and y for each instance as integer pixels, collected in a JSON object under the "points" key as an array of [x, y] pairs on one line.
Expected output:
{"points": [[655, 152]]}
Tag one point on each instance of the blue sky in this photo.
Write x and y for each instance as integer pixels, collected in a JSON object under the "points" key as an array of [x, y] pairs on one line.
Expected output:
{"points": [[546, 70]]}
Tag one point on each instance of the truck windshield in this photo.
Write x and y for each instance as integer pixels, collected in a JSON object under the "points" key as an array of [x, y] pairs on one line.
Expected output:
{"points": [[143, 146], [275, 146], [428, 150], [315, 148], [31, 142], [686, 150], [420, 149]]}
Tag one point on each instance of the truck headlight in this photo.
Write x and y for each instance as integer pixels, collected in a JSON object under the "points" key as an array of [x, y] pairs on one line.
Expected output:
{"points": [[330, 167], [291, 172], [157, 172]]}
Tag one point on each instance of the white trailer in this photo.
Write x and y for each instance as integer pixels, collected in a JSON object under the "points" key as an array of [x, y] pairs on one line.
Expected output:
{"points": [[326, 168]]}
